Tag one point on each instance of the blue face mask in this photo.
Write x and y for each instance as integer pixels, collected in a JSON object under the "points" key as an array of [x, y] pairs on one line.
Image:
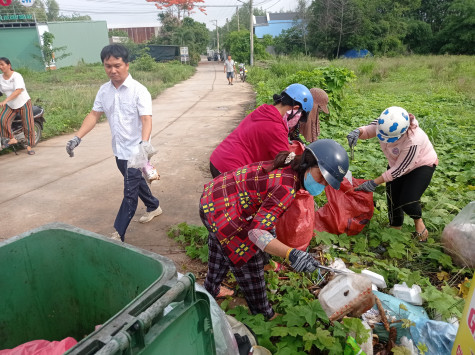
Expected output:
{"points": [[313, 187]]}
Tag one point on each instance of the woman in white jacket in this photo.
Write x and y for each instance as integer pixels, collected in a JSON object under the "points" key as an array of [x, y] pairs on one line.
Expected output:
{"points": [[411, 163], [17, 100]]}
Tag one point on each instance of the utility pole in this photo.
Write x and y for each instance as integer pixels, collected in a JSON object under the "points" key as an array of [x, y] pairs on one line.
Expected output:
{"points": [[217, 32], [227, 24], [237, 13], [251, 28]]}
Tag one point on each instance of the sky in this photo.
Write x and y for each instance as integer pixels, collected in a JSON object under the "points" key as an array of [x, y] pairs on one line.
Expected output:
{"points": [[132, 13]]}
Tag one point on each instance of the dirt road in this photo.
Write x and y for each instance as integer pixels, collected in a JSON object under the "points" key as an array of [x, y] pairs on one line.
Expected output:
{"points": [[189, 120]]}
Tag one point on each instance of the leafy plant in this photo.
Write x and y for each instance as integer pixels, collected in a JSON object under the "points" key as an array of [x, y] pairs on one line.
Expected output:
{"points": [[195, 239]]}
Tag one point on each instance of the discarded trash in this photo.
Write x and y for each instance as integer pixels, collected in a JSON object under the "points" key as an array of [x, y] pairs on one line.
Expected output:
{"points": [[409, 345], [339, 264], [376, 279], [346, 294], [352, 347], [438, 336], [42, 347], [465, 340], [411, 295], [458, 237], [150, 173], [396, 310]]}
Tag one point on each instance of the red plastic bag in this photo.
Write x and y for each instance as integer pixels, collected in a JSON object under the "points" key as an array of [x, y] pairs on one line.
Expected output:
{"points": [[295, 227], [347, 211], [42, 347]]}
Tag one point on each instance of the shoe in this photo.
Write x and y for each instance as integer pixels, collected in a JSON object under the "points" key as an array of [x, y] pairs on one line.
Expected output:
{"points": [[148, 216], [115, 236], [31, 152]]}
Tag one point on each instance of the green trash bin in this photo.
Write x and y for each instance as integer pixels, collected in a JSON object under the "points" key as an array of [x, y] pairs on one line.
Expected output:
{"points": [[59, 281]]}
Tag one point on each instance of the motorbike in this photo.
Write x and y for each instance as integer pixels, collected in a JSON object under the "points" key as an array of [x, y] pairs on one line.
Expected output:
{"points": [[17, 128], [242, 72]]}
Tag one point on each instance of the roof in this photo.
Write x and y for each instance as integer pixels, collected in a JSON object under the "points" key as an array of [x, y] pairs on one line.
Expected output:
{"points": [[283, 16], [261, 20]]}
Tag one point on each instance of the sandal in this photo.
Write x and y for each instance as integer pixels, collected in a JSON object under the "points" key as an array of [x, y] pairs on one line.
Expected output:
{"points": [[225, 292], [422, 236], [31, 152]]}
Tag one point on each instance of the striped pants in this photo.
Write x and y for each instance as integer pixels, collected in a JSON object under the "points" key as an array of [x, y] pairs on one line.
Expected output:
{"points": [[6, 118]]}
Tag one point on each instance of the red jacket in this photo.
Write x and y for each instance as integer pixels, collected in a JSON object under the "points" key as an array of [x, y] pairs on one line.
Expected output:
{"points": [[259, 137]]}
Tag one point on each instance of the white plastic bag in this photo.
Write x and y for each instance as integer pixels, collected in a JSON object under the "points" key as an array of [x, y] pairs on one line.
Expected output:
{"points": [[458, 237], [142, 157]]}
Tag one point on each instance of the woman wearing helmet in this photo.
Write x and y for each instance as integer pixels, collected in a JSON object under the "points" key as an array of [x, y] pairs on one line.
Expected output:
{"points": [[412, 161], [264, 132], [240, 207]]}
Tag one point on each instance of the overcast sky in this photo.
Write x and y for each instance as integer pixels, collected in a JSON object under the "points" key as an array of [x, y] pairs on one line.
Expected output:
{"points": [[142, 13]]}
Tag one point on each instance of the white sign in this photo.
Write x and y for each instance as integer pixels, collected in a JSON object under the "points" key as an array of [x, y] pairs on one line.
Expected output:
{"points": [[27, 3], [184, 50]]}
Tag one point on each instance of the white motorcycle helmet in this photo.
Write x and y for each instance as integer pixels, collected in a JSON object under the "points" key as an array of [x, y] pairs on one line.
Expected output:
{"points": [[392, 124]]}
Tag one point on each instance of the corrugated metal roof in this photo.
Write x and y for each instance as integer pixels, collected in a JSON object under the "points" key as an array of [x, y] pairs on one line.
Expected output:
{"points": [[261, 20], [282, 16]]}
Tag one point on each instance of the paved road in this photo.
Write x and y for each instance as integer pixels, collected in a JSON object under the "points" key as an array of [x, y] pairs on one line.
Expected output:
{"points": [[189, 120]]}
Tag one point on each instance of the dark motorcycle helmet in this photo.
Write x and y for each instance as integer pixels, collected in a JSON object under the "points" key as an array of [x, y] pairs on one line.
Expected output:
{"points": [[332, 160]]}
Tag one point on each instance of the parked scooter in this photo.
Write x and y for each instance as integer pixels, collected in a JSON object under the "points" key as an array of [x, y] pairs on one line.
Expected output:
{"points": [[242, 72], [17, 128]]}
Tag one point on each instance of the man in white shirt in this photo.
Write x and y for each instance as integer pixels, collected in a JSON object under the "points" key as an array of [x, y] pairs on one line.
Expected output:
{"points": [[127, 105], [229, 69]]}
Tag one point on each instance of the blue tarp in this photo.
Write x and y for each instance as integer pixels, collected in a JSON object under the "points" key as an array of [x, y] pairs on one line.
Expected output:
{"points": [[354, 53]]}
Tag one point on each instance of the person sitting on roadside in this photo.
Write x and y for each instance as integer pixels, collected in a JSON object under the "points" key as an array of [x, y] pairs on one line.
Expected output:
{"points": [[17, 101], [240, 208], [263, 133], [412, 161]]}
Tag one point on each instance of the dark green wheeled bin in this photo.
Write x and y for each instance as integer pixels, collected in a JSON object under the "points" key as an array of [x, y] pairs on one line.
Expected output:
{"points": [[59, 281]]}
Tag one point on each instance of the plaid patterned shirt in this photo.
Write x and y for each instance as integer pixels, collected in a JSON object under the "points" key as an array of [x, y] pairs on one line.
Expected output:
{"points": [[247, 198]]}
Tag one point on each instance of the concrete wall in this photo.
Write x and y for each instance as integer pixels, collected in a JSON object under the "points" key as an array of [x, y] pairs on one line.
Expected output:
{"points": [[84, 40], [20, 45]]}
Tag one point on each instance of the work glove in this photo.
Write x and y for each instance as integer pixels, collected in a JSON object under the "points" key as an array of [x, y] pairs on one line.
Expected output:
{"points": [[368, 186], [73, 143], [353, 137], [302, 261], [148, 148]]}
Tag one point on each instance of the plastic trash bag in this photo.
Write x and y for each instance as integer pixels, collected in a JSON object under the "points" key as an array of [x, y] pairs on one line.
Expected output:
{"points": [[295, 227], [438, 336], [458, 237], [142, 157], [347, 211], [42, 347]]}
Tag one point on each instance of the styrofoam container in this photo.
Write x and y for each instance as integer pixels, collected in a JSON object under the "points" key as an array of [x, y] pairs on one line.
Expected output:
{"points": [[410, 295], [376, 279]]}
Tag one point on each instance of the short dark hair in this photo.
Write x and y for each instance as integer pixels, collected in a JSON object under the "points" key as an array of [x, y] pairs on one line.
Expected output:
{"points": [[6, 60], [115, 50]]}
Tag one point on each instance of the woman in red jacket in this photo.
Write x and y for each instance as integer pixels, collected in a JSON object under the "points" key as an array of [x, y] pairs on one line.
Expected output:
{"points": [[263, 133], [239, 208]]}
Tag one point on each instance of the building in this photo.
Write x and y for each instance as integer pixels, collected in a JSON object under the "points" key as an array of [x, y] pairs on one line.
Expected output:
{"points": [[274, 23], [138, 34], [20, 40]]}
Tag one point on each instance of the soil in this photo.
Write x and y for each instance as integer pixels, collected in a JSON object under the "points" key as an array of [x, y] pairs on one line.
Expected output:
{"points": [[189, 120]]}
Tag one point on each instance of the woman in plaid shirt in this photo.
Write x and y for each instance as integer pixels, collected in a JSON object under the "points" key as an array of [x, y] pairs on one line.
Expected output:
{"points": [[239, 208]]}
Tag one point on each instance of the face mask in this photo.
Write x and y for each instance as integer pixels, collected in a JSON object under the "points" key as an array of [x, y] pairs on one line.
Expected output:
{"points": [[313, 187], [293, 121]]}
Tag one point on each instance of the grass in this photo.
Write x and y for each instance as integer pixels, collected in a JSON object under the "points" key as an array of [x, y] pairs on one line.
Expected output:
{"points": [[67, 94]]}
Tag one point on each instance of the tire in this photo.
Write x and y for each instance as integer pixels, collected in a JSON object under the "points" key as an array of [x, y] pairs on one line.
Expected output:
{"points": [[38, 131]]}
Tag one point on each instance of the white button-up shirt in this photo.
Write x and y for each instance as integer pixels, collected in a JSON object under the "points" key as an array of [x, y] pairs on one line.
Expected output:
{"points": [[123, 107]]}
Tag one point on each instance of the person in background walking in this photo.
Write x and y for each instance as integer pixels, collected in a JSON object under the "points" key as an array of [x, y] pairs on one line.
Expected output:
{"points": [[127, 105], [412, 161], [17, 101], [229, 69]]}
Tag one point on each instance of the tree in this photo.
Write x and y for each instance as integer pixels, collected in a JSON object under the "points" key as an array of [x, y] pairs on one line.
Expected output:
{"points": [[457, 35], [50, 53], [290, 41], [52, 10], [302, 21], [238, 45], [181, 7]]}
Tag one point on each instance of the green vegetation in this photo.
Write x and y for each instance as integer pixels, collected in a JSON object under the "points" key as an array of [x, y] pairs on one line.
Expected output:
{"points": [[67, 94], [440, 92]]}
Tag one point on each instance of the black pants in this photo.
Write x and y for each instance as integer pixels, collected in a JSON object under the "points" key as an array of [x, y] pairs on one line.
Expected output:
{"points": [[404, 193], [214, 172]]}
